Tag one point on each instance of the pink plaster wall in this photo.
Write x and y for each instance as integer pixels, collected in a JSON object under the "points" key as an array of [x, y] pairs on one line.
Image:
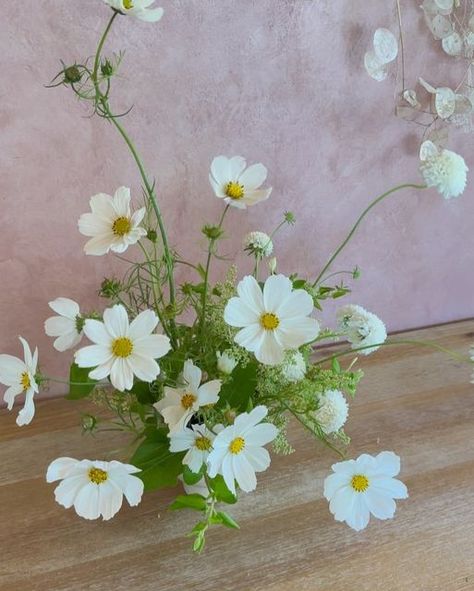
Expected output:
{"points": [[277, 81]]}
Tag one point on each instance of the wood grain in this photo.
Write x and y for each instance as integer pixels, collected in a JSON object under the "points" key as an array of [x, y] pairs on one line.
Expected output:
{"points": [[413, 400]]}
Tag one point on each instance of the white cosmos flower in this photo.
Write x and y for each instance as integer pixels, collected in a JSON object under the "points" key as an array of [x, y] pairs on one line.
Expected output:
{"points": [[364, 486], [225, 362], [361, 328], [443, 169], [258, 243], [238, 451], [94, 488], [138, 8], [122, 350], [272, 322], [237, 185], [332, 412], [294, 369], [67, 326], [198, 443], [19, 376], [179, 404], [111, 223]]}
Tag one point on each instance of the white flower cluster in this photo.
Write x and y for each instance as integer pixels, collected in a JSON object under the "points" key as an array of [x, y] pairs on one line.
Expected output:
{"points": [[332, 412], [364, 330], [444, 170], [258, 243]]}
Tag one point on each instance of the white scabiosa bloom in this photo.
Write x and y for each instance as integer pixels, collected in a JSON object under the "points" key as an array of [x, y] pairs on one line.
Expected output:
{"points": [[332, 412], [225, 362], [259, 244], [111, 223], [179, 404], [237, 185], [123, 349], [19, 376], [272, 322], [67, 326], [238, 451], [364, 486], [137, 8], [197, 441], [361, 328], [444, 170], [94, 488], [294, 369]]}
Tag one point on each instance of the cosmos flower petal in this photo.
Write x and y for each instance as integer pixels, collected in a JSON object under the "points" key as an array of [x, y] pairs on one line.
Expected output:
{"points": [[390, 486], [60, 468], [96, 332], [66, 491], [67, 341], [102, 370], [254, 176], [341, 502], [359, 517], [11, 369], [236, 165], [145, 368], [220, 171], [208, 393], [244, 473], [86, 502], [262, 434], [121, 202], [65, 307], [59, 325], [116, 321], [298, 303], [276, 291], [258, 457], [26, 414], [297, 331], [144, 323], [250, 294], [238, 313], [228, 472], [270, 351], [333, 483], [150, 15], [381, 506], [11, 393], [92, 356], [388, 463], [192, 375], [254, 197]]}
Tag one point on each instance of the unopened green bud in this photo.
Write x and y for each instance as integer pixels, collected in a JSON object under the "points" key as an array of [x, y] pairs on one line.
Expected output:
{"points": [[152, 235], [72, 74], [89, 423], [356, 273], [106, 68], [290, 217], [109, 288], [212, 232]]}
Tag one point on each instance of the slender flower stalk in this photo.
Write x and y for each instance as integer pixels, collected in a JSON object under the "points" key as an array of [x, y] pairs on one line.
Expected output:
{"points": [[359, 220]]}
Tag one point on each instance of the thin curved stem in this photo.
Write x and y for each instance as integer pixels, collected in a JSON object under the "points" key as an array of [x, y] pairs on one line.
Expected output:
{"points": [[359, 220]]}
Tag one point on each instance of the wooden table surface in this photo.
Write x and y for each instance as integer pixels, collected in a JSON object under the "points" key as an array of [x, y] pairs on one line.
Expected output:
{"points": [[413, 400]]}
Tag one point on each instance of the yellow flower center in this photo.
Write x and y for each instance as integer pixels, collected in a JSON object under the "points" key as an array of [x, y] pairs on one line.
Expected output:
{"points": [[25, 381], [360, 483], [203, 443], [234, 190], [127, 4], [97, 476], [122, 347], [269, 321], [187, 400], [237, 445], [121, 226]]}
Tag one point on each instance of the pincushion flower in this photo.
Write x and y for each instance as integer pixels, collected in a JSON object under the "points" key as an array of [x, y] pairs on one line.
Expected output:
{"points": [[359, 488], [294, 369], [111, 223], [258, 243], [361, 328], [238, 451], [19, 376], [444, 170], [272, 322], [225, 362], [138, 8], [67, 326], [332, 412], [197, 441], [94, 488], [123, 349], [179, 404], [237, 185]]}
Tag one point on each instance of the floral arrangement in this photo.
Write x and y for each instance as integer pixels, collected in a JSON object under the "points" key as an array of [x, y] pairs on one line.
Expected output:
{"points": [[206, 392]]}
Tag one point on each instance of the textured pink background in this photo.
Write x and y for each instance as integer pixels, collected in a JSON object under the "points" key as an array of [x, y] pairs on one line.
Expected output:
{"points": [[277, 81]]}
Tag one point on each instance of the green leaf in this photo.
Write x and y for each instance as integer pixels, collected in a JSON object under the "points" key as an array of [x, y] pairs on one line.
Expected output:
{"points": [[220, 490], [143, 393], [237, 391], [191, 477], [299, 283], [81, 384], [160, 467], [227, 520], [336, 366], [194, 501]]}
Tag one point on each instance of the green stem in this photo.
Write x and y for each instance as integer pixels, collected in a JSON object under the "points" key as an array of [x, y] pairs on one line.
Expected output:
{"points": [[359, 220], [206, 274], [458, 357], [148, 186]]}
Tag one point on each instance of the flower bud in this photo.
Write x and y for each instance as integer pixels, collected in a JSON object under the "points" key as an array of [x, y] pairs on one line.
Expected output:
{"points": [[72, 74]]}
